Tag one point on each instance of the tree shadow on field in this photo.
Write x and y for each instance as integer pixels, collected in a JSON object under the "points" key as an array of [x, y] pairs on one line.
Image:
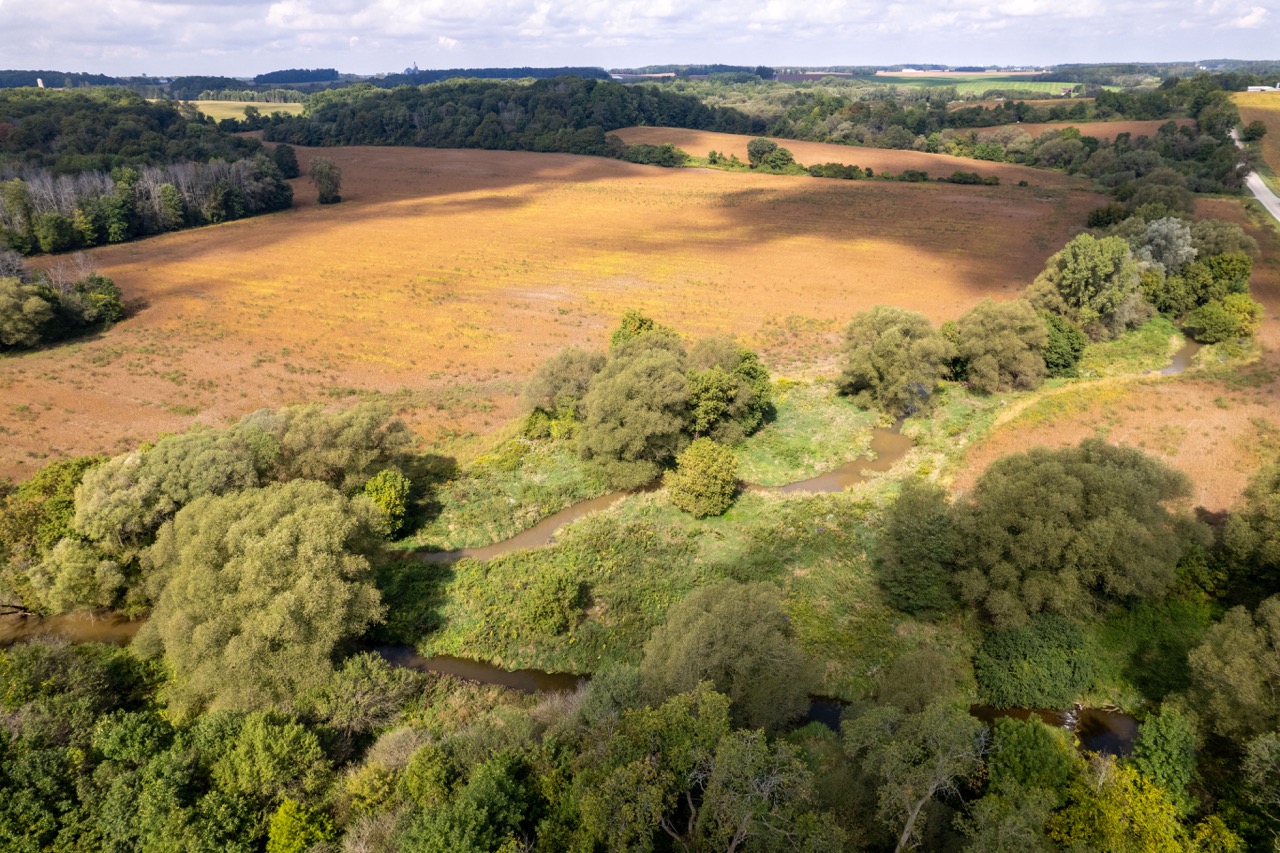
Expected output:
{"points": [[427, 472]]}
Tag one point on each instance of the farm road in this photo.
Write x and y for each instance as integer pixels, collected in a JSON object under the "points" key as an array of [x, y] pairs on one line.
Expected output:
{"points": [[1263, 193]]}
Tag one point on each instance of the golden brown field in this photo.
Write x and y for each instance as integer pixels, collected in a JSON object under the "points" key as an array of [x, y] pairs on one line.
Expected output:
{"points": [[446, 276], [1217, 431], [1264, 107], [1099, 129], [699, 143], [235, 109]]}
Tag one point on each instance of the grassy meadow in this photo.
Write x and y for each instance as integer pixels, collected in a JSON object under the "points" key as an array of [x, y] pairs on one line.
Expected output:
{"points": [[219, 110]]}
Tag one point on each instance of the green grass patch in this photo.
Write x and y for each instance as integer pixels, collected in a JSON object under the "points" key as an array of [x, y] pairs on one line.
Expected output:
{"points": [[1142, 652], [1146, 348], [630, 563], [815, 431], [503, 492]]}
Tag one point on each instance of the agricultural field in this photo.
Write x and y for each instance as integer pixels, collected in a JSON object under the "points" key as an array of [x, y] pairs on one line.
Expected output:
{"points": [[1264, 107], [698, 143], [1038, 103], [980, 84], [446, 276], [219, 110], [1098, 129]]}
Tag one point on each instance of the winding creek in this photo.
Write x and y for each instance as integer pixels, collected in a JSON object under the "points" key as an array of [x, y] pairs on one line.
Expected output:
{"points": [[1096, 729]]}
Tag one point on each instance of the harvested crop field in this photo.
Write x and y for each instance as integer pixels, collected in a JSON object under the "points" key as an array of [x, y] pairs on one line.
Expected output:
{"points": [[235, 109], [1264, 107], [446, 276], [1099, 129], [699, 143], [1218, 430]]}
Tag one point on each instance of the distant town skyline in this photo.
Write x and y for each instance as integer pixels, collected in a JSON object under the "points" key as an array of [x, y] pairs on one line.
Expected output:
{"points": [[247, 37]]}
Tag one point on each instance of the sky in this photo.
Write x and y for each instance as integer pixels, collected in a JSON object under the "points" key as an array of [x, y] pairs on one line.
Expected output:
{"points": [[247, 37]]}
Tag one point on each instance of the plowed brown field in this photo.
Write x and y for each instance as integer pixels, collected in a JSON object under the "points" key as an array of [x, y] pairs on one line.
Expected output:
{"points": [[449, 275], [1218, 432]]}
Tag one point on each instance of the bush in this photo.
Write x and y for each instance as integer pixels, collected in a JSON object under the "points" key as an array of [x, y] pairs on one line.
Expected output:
{"points": [[286, 160], [389, 491], [1041, 665], [705, 479], [1064, 347], [560, 383], [1235, 316], [656, 155], [327, 176]]}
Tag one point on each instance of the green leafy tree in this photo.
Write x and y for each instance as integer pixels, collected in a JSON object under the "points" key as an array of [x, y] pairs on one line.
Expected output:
{"points": [[1252, 534], [1166, 243], [632, 325], [1064, 345], [1043, 664], [760, 796], [636, 410], [650, 769], [327, 177], [560, 383], [1253, 131], [389, 490], [730, 393], [1113, 808], [1002, 345], [1027, 754], [1235, 671], [72, 576], [295, 828], [1091, 282], [893, 359], [272, 759], [286, 160], [914, 758], [1261, 770], [758, 150], [738, 638], [254, 591], [1235, 316], [23, 315], [705, 479], [1165, 753], [915, 550], [1064, 531]]}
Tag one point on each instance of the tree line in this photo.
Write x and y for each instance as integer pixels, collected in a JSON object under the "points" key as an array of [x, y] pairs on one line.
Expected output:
{"points": [[102, 129], [44, 212], [563, 114]]}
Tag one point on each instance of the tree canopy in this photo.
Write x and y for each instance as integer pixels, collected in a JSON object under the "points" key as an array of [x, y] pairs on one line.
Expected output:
{"points": [[894, 359], [254, 592]]}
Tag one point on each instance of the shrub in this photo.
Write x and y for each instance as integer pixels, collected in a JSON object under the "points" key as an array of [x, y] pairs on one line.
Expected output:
{"points": [[561, 382], [1064, 346], [705, 479], [389, 491], [1041, 665], [327, 176], [286, 160], [1235, 316]]}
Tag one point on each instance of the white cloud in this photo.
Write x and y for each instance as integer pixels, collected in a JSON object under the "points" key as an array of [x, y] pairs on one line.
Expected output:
{"points": [[251, 36]]}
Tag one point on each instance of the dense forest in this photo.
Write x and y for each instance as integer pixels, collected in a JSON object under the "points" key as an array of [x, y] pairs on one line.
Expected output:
{"points": [[84, 169], [564, 114]]}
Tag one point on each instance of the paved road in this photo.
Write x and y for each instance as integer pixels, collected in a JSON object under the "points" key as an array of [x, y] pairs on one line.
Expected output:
{"points": [[1260, 190], [1263, 193]]}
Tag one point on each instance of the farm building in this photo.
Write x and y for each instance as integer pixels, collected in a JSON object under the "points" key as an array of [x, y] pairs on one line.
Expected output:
{"points": [[1275, 88]]}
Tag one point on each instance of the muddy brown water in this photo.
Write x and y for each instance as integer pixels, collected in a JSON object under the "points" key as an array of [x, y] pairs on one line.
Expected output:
{"points": [[1182, 358], [888, 446], [75, 627], [1104, 730]]}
